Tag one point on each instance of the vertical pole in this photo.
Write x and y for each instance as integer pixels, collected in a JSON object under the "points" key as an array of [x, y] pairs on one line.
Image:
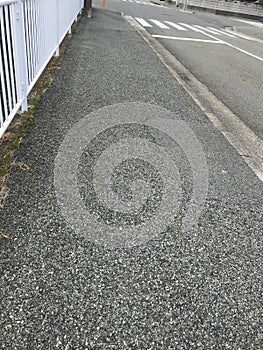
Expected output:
{"points": [[103, 3], [57, 28], [88, 7], [21, 67]]}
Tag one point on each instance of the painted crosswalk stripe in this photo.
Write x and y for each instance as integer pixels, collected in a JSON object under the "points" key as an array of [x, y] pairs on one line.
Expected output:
{"points": [[159, 24], [221, 32], [138, 2], [172, 24], [243, 36], [207, 30], [190, 27], [187, 39], [143, 22]]}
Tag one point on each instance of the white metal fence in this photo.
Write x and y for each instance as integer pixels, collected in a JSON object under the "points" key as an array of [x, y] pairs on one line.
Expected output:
{"points": [[30, 34]]}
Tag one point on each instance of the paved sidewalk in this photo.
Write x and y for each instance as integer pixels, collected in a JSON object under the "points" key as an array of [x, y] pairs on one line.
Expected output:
{"points": [[77, 287]]}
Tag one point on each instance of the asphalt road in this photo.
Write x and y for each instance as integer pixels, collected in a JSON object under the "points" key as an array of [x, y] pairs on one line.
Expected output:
{"points": [[235, 77], [108, 248]]}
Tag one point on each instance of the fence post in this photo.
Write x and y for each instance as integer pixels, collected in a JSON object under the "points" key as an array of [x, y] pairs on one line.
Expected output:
{"points": [[21, 68], [58, 27], [88, 7]]}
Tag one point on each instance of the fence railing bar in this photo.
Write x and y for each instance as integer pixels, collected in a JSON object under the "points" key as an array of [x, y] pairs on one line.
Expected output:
{"points": [[6, 70], [37, 34], [29, 31], [34, 43], [26, 38], [19, 47], [30, 37], [10, 55], [1, 117], [58, 30], [14, 52], [41, 41], [34, 37], [3, 88]]}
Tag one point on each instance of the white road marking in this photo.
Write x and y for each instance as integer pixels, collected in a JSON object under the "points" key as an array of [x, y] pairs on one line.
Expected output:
{"points": [[243, 139], [187, 39], [228, 44], [159, 24], [256, 24], [143, 22], [245, 52], [222, 32], [175, 26], [234, 47], [220, 41], [190, 27], [243, 36], [207, 30]]}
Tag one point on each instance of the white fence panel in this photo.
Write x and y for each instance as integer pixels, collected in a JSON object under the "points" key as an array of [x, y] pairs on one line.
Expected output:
{"points": [[30, 34], [8, 78]]}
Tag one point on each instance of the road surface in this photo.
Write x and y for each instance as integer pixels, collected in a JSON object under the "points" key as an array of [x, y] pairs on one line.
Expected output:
{"points": [[228, 63]]}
